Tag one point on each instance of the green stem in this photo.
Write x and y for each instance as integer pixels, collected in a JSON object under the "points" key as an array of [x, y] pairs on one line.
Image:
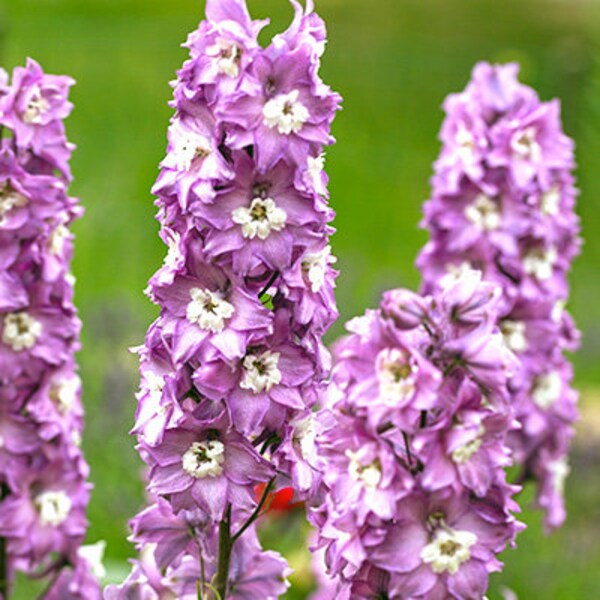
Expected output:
{"points": [[256, 512], [225, 546]]}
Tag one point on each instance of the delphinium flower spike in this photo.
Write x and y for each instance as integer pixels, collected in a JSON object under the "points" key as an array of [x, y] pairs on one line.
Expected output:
{"points": [[42, 470], [233, 365], [502, 203], [414, 501]]}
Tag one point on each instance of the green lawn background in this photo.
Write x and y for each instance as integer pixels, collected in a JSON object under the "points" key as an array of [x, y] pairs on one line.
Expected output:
{"points": [[393, 61]]}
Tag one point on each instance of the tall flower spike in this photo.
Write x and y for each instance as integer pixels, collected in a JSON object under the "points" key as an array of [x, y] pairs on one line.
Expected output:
{"points": [[503, 200], [234, 363], [413, 501], [44, 492]]}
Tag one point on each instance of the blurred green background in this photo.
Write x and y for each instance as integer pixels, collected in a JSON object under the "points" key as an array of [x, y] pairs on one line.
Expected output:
{"points": [[393, 61]]}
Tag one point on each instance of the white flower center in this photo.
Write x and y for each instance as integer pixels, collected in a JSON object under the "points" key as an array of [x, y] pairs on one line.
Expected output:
{"points": [[261, 372], [315, 265], [227, 56], [514, 335], [559, 469], [463, 453], [484, 213], [465, 142], [57, 239], [208, 310], [547, 389], [396, 371], [540, 263], [190, 147], [524, 144], [262, 217], [550, 201], [53, 507], [286, 113], [9, 199], [64, 393], [36, 108], [448, 550], [93, 554], [21, 331], [369, 475], [204, 459]]}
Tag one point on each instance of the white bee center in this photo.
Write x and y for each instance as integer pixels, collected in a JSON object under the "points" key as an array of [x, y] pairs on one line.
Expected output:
{"points": [[53, 507], [484, 213], [21, 331], [305, 434], [315, 266], [369, 475], [204, 459], [285, 113], [514, 335], [396, 371], [261, 372], [190, 147], [208, 310], [315, 166], [464, 453], [227, 56], [93, 555], [64, 393], [559, 469], [76, 438], [547, 389], [550, 201], [262, 217], [154, 384], [9, 200], [448, 550], [539, 263], [465, 142], [57, 239], [524, 144], [38, 105], [455, 271]]}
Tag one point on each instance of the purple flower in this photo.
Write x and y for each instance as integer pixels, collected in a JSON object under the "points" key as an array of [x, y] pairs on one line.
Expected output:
{"points": [[235, 362], [508, 212]]}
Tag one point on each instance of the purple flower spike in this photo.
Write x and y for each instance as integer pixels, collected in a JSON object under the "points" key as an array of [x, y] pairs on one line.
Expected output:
{"points": [[412, 448], [234, 364], [43, 487], [502, 203]]}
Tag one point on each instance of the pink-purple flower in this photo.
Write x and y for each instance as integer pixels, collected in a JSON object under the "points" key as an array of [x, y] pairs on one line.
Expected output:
{"points": [[43, 474], [234, 363]]}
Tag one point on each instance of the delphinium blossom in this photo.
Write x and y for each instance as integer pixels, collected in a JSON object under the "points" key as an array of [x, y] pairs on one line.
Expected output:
{"points": [[503, 203], [43, 473], [234, 363], [413, 501]]}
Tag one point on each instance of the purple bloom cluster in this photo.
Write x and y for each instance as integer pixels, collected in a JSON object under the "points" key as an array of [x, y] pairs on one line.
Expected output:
{"points": [[414, 501], [233, 365], [503, 199], [43, 474]]}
